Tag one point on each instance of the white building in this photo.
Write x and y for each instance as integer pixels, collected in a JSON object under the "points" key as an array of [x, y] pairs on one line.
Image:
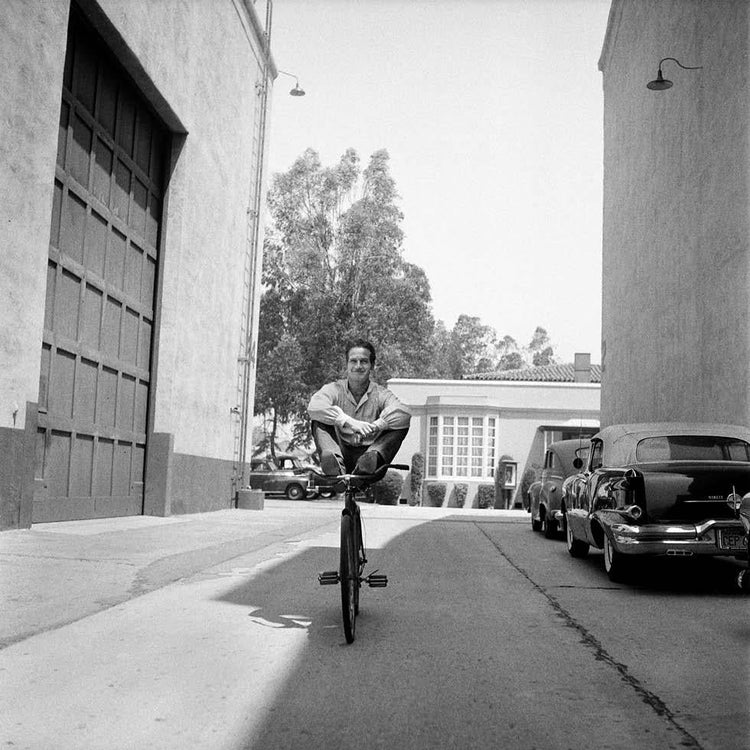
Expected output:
{"points": [[464, 427]]}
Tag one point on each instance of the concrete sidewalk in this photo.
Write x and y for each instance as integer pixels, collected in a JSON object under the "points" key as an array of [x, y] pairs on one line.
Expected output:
{"points": [[57, 573]]}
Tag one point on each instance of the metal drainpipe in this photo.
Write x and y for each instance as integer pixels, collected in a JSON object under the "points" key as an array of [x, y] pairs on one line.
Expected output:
{"points": [[250, 350]]}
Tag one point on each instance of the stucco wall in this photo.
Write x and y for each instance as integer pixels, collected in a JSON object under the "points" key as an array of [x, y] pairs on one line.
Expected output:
{"points": [[205, 63], [32, 52], [675, 255], [198, 64]]}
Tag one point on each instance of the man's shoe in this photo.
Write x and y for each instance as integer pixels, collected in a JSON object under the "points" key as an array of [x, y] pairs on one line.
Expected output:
{"points": [[330, 464], [367, 463]]}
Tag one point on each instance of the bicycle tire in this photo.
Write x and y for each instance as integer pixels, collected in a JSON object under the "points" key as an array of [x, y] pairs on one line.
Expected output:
{"points": [[360, 558], [349, 577]]}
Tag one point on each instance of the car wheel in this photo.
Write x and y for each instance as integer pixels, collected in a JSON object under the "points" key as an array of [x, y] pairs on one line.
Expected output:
{"points": [[326, 493], [549, 527], [576, 547], [618, 567], [536, 524], [295, 491]]}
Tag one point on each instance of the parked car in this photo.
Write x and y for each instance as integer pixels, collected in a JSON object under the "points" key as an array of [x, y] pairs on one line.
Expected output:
{"points": [[545, 495], [284, 476], [662, 489], [320, 486]]}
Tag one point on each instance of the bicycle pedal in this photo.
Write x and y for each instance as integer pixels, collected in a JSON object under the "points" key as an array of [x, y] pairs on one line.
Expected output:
{"points": [[328, 578], [377, 580]]}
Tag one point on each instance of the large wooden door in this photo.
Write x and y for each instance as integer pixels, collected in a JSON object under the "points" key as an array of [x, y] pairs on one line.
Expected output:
{"points": [[96, 348]]}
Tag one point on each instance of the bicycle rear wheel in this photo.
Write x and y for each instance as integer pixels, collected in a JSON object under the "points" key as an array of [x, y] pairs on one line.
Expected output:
{"points": [[349, 576]]}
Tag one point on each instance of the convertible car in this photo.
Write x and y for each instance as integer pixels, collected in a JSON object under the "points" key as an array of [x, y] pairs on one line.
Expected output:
{"points": [[545, 496], [658, 489]]}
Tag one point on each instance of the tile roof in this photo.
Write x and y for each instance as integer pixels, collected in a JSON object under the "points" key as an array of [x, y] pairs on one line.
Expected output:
{"points": [[564, 373]]}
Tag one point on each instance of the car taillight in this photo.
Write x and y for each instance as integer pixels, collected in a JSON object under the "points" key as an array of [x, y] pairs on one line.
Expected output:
{"points": [[634, 511]]}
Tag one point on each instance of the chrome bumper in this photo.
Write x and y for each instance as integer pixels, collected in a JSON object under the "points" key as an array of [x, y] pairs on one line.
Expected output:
{"points": [[675, 539]]}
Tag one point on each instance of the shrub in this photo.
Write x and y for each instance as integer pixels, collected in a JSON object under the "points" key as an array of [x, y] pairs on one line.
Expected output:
{"points": [[434, 494], [388, 490], [486, 496], [457, 497], [416, 478], [499, 499], [528, 478]]}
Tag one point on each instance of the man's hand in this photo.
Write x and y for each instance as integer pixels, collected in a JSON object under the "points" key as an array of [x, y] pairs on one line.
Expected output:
{"points": [[363, 429]]}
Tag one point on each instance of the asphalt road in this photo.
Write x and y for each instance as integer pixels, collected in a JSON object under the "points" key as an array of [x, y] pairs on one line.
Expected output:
{"points": [[487, 636]]}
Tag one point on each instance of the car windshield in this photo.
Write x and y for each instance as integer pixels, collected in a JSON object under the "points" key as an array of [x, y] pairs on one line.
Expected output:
{"points": [[691, 448]]}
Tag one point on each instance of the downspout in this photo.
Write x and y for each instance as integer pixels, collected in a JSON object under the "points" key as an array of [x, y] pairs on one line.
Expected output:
{"points": [[246, 415]]}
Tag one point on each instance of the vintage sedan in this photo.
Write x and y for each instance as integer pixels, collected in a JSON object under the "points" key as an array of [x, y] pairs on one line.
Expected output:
{"points": [[284, 475], [661, 489], [545, 496]]}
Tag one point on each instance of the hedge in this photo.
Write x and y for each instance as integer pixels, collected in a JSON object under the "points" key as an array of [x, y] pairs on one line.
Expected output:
{"points": [[388, 490], [458, 494], [416, 477], [529, 477], [434, 494], [486, 496]]}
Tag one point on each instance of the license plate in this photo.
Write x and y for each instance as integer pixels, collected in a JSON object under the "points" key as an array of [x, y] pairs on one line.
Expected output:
{"points": [[732, 539]]}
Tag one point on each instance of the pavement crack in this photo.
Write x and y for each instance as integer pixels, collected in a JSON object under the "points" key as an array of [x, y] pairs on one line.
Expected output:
{"points": [[601, 654]]}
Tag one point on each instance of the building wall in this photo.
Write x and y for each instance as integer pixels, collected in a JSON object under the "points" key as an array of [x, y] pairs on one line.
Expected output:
{"points": [[522, 411], [198, 64], [675, 256]]}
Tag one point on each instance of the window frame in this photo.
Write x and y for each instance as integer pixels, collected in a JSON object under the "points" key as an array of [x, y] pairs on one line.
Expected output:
{"points": [[456, 451]]}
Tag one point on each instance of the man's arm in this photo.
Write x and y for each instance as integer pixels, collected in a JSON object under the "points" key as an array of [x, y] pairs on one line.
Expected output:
{"points": [[323, 408], [393, 415]]}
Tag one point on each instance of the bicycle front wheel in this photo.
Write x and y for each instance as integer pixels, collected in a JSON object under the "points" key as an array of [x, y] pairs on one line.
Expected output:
{"points": [[359, 558], [349, 576]]}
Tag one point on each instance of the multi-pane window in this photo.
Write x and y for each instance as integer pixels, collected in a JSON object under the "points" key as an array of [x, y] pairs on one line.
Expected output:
{"points": [[490, 447], [459, 446], [432, 448]]}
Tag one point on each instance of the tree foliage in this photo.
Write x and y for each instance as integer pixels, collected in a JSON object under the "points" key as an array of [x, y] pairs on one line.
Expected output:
{"points": [[333, 269], [540, 350], [469, 347]]}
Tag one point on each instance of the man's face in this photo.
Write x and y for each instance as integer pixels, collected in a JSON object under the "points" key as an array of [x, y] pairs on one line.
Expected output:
{"points": [[358, 365]]}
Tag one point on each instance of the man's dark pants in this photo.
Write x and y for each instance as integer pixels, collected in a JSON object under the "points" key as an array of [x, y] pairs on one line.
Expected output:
{"points": [[386, 445]]}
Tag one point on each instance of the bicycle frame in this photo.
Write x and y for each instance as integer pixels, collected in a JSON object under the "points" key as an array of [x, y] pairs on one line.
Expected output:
{"points": [[352, 558]]}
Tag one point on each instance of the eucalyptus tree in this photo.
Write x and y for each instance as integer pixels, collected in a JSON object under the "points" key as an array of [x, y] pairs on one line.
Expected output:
{"points": [[334, 268]]}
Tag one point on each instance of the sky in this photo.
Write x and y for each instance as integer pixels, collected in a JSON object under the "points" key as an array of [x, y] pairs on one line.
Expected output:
{"points": [[491, 112]]}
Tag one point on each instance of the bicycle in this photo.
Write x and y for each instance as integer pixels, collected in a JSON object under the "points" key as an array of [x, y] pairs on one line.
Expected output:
{"points": [[352, 558]]}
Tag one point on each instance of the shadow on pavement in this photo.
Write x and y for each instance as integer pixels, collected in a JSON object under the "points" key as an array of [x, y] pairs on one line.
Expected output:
{"points": [[455, 660]]}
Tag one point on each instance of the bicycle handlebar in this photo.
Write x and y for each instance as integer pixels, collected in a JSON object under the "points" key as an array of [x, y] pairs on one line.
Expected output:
{"points": [[376, 476]]}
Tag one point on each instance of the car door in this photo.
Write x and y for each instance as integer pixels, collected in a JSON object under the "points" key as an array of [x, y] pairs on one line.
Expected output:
{"points": [[577, 503], [262, 476], [552, 481], [593, 477]]}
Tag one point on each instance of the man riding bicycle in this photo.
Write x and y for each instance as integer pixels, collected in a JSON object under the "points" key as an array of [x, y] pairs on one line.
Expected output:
{"points": [[357, 424]]}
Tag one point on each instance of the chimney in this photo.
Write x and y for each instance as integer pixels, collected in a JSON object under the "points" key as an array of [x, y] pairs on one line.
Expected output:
{"points": [[582, 367]]}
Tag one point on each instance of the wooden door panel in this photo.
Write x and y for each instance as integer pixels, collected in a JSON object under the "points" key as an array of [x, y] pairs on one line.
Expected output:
{"points": [[95, 359]]}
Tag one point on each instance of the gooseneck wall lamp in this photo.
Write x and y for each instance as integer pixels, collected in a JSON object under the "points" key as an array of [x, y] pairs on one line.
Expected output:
{"points": [[296, 91], [660, 83]]}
